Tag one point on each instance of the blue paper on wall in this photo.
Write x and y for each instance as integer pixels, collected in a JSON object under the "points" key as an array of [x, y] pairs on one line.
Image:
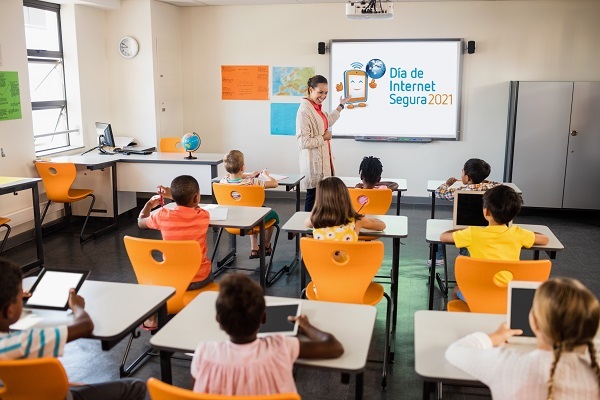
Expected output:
{"points": [[283, 118]]}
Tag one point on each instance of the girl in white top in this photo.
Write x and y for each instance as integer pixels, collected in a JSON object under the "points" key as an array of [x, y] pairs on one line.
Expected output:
{"points": [[564, 317]]}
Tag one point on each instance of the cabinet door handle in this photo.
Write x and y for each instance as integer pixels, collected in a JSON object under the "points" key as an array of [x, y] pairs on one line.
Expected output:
{"points": [[574, 133]]}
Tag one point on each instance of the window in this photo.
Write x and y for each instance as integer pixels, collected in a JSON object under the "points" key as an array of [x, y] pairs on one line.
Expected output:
{"points": [[46, 75]]}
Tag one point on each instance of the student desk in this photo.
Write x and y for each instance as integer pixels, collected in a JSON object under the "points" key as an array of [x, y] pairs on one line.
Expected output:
{"points": [[402, 186], [10, 184], [115, 308], [432, 185], [351, 324], [435, 227], [242, 217], [396, 228]]}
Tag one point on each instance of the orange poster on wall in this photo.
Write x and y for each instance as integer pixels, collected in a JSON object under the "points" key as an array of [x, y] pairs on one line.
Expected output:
{"points": [[245, 82]]}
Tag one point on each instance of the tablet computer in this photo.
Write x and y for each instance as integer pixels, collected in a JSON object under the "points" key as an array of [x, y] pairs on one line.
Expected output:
{"points": [[468, 209], [277, 319], [520, 300], [51, 288]]}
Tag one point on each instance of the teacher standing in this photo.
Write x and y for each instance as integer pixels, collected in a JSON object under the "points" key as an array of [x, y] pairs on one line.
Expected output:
{"points": [[313, 135]]}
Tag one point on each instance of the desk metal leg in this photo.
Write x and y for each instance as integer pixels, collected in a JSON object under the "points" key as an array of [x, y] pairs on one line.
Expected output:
{"points": [[38, 228], [115, 201], [432, 205], [165, 367], [536, 255], [358, 395], [433, 250], [394, 286], [263, 241], [398, 197]]}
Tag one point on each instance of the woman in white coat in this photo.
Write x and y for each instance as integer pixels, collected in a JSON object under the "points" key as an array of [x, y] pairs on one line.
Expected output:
{"points": [[313, 135]]}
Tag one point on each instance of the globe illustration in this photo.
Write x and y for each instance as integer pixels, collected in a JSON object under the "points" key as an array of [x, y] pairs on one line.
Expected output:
{"points": [[190, 142], [375, 68]]}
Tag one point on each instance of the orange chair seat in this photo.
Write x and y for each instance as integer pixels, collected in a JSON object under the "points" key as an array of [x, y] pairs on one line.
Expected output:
{"points": [[256, 229], [372, 296], [4, 220], [458, 306], [191, 294]]}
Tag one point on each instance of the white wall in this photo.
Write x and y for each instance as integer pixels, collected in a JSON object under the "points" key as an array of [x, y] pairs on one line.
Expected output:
{"points": [[540, 40]]}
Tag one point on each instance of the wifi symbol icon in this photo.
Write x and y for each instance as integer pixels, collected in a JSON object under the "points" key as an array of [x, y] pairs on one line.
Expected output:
{"points": [[356, 65]]}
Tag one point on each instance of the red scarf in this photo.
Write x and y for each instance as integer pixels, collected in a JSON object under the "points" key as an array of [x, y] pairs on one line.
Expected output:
{"points": [[326, 124]]}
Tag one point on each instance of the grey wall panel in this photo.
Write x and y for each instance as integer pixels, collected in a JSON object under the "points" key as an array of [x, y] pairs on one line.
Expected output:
{"points": [[541, 139], [582, 179]]}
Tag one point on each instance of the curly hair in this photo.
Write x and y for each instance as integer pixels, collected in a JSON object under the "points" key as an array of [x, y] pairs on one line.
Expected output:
{"points": [[10, 279], [240, 305], [183, 189], [370, 170]]}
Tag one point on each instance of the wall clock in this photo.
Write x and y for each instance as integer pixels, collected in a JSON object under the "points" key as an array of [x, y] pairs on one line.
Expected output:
{"points": [[128, 47]]}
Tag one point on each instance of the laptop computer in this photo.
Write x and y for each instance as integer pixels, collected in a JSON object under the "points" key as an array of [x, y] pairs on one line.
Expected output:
{"points": [[468, 209]]}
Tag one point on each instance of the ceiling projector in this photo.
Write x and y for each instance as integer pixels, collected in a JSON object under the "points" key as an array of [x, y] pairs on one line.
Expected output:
{"points": [[370, 9]]}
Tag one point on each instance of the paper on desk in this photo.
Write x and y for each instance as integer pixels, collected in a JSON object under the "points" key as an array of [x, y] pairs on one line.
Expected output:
{"points": [[26, 322], [216, 213], [275, 176]]}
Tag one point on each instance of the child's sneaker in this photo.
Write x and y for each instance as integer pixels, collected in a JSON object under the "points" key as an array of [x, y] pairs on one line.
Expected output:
{"points": [[439, 261]]}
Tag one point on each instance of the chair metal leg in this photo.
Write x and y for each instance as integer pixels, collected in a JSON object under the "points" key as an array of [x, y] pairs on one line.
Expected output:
{"points": [[212, 259], [81, 239], [126, 371], [45, 210], [8, 229], [287, 269], [386, 349]]}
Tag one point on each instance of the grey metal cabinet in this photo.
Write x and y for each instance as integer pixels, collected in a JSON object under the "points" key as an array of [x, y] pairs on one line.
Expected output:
{"points": [[553, 143]]}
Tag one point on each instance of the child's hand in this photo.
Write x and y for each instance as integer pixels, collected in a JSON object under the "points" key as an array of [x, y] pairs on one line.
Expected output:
{"points": [[503, 333], [359, 185], [75, 300], [303, 324], [165, 191], [255, 174], [450, 181], [26, 294], [154, 201], [265, 173]]}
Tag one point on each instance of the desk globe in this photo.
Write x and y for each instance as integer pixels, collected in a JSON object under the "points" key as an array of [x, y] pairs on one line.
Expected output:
{"points": [[190, 142]]}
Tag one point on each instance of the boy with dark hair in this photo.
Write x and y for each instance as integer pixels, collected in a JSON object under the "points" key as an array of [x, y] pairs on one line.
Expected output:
{"points": [[236, 175], [50, 342], [473, 177], [497, 241], [370, 171], [186, 221]]}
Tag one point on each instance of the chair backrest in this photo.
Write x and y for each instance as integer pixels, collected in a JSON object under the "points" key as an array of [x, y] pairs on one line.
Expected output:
{"points": [[342, 271], [239, 195], [33, 379], [371, 201], [484, 283], [163, 391], [176, 267], [171, 145], [57, 178]]}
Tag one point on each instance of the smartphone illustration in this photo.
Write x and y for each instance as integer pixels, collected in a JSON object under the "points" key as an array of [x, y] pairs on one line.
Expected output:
{"points": [[355, 85]]}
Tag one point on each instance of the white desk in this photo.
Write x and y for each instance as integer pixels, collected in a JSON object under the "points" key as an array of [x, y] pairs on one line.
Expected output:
{"points": [[352, 181], [435, 227], [115, 308], [196, 323], [396, 228], [432, 185], [10, 184]]}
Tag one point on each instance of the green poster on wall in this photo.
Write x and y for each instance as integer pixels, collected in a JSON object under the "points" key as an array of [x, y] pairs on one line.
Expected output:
{"points": [[10, 99]]}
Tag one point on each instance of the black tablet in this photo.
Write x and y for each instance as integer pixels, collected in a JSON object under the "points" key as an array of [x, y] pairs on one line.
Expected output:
{"points": [[277, 319], [51, 289]]}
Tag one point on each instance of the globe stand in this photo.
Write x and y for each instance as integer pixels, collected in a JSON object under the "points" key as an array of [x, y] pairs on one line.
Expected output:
{"points": [[190, 156]]}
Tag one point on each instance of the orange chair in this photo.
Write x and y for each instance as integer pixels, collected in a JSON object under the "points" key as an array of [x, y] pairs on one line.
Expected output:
{"points": [[252, 196], [343, 272], [171, 145], [176, 267], [371, 201], [163, 391], [4, 222], [484, 283], [33, 379], [57, 179]]}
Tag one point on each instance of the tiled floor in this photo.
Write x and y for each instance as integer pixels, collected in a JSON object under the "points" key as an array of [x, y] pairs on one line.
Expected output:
{"points": [[106, 257]]}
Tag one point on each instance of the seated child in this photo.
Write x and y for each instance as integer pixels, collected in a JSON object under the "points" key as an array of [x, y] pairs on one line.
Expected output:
{"points": [[497, 241], [245, 364], [50, 342], [187, 221], [235, 166], [474, 174], [564, 318], [370, 171]]}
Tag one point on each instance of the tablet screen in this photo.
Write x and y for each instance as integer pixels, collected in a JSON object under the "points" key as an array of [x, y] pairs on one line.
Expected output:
{"points": [[277, 319], [51, 290], [521, 302], [469, 209]]}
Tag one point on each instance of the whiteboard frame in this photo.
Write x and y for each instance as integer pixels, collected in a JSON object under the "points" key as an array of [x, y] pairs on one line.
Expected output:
{"points": [[399, 139]]}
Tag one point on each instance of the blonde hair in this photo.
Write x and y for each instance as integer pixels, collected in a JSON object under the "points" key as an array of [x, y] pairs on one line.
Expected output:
{"points": [[233, 161], [333, 206], [567, 315]]}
